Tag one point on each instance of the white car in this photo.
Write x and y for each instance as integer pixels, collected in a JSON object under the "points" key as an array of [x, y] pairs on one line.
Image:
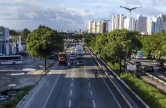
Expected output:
{"points": [[72, 57]]}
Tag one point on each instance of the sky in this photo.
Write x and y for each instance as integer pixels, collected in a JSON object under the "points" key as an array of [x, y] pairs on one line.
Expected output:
{"points": [[71, 14]]}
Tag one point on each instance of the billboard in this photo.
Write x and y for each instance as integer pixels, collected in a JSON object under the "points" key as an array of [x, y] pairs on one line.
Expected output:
{"points": [[131, 67]]}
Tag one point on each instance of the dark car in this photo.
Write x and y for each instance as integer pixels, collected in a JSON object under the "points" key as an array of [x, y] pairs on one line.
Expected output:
{"points": [[148, 69], [22, 53], [79, 62], [137, 63], [162, 70], [160, 64]]}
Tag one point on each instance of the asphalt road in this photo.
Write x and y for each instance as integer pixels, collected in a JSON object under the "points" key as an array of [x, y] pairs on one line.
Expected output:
{"points": [[74, 87], [145, 62]]}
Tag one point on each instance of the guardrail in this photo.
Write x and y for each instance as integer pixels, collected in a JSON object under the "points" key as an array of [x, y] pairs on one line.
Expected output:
{"points": [[95, 56], [153, 77]]}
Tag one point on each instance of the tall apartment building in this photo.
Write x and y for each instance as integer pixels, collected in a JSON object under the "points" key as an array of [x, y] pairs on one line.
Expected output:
{"points": [[118, 21], [150, 26], [164, 21], [97, 27], [129, 23], [141, 23], [158, 23]]}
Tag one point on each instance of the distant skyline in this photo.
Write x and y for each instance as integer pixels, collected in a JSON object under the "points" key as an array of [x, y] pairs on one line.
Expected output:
{"points": [[70, 14]]}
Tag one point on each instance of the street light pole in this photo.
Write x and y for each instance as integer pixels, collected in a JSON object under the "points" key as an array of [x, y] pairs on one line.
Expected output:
{"points": [[130, 9]]}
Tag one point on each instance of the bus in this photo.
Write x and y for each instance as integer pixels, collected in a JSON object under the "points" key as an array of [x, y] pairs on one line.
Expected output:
{"points": [[140, 54], [11, 59]]}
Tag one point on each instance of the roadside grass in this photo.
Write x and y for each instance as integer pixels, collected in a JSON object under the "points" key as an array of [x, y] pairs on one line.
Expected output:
{"points": [[149, 94], [12, 103]]}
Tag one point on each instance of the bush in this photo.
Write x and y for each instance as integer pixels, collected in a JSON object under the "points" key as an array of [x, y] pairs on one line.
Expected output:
{"points": [[19, 96], [149, 94]]}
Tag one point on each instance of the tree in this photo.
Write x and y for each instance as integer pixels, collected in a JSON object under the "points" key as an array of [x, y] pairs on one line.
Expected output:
{"points": [[42, 41], [24, 34], [12, 32]]}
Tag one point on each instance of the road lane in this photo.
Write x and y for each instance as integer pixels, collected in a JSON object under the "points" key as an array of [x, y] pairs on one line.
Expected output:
{"points": [[38, 96], [75, 87], [145, 62], [104, 95]]}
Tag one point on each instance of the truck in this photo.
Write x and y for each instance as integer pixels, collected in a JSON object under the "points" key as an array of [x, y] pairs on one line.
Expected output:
{"points": [[62, 58]]}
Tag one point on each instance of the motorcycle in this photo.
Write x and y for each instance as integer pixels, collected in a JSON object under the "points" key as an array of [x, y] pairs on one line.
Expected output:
{"points": [[96, 75]]}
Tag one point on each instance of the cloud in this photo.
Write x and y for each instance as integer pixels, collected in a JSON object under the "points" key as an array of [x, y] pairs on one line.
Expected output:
{"points": [[7, 14], [131, 2], [57, 17], [163, 2], [22, 16]]}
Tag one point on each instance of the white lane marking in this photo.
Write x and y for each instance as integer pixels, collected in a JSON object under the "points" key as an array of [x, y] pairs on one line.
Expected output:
{"points": [[52, 88], [73, 73], [70, 92], [72, 78], [107, 86], [89, 84], [71, 84], [94, 103], [91, 92], [87, 78], [69, 103], [86, 73]]}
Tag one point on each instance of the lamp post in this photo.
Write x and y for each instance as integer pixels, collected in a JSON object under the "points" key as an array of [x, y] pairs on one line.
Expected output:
{"points": [[130, 9], [105, 22]]}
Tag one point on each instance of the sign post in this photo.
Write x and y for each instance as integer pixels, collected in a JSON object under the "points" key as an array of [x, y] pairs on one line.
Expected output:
{"points": [[132, 68]]}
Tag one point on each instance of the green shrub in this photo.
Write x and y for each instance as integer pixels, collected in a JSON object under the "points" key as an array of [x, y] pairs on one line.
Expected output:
{"points": [[19, 96], [149, 94]]}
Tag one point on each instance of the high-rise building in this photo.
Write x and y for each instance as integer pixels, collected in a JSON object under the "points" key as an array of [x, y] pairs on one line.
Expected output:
{"points": [[150, 26], [118, 21], [158, 23], [97, 27], [164, 21], [129, 23], [141, 23]]}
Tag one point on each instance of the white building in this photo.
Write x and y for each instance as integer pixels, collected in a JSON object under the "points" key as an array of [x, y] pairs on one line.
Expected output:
{"points": [[150, 26], [141, 23], [164, 21], [97, 27], [129, 24], [158, 23], [118, 21]]}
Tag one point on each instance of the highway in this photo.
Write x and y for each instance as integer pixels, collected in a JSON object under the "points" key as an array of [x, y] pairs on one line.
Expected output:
{"points": [[75, 87], [145, 62]]}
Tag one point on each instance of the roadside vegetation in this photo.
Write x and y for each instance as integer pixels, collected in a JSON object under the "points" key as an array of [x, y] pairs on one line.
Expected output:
{"points": [[19, 94], [114, 46]]}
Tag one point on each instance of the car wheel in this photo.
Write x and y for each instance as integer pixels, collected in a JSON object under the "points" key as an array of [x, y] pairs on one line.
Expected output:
{"points": [[14, 63]]}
